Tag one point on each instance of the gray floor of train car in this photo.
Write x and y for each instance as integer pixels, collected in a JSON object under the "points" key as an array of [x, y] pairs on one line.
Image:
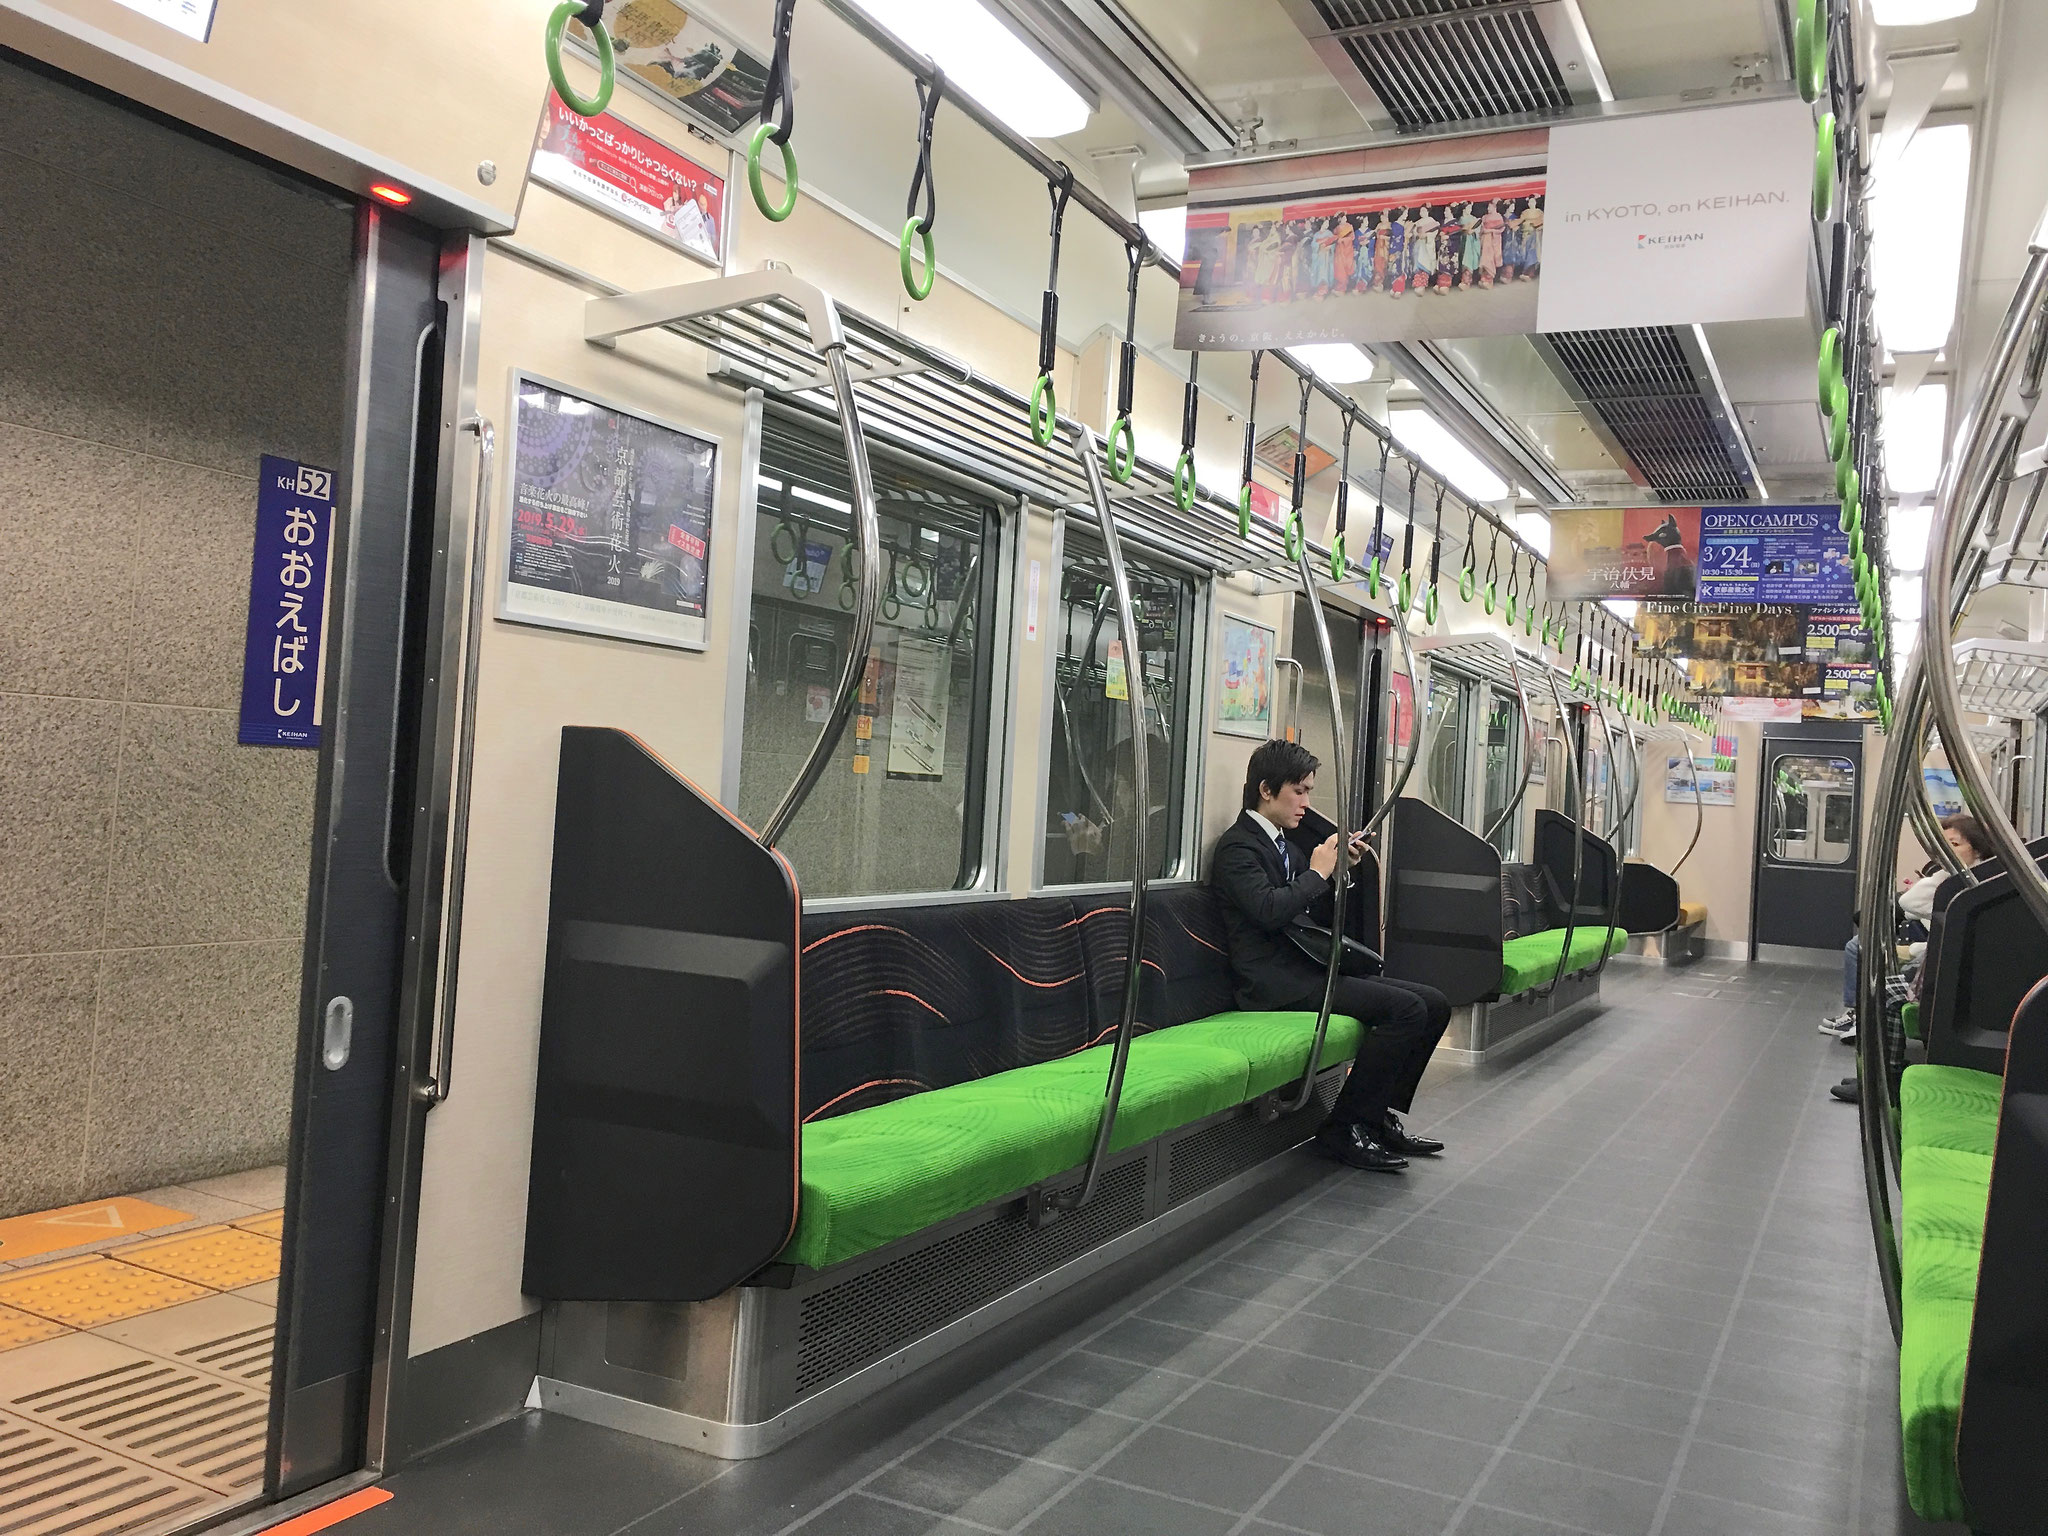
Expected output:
{"points": [[1636, 1299]]}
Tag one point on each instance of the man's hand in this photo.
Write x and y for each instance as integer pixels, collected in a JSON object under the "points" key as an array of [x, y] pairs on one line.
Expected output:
{"points": [[1354, 850], [1324, 860]]}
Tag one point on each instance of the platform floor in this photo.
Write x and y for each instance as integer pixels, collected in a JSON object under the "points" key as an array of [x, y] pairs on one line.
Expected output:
{"points": [[1635, 1299]]}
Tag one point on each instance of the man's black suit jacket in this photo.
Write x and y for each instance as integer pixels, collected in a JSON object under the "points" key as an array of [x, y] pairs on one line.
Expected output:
{"points": [[1258, 902]]}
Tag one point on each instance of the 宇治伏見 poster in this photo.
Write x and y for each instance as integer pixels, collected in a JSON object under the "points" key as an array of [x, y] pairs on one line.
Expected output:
{"points": [[1623, 552], [1244, 678], [611, 521]]}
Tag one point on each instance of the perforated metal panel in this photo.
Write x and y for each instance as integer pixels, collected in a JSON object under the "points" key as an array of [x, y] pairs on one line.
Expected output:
{"points": [[1222, 1151], [841, 1327], [1647, 393], [1432, 62]]}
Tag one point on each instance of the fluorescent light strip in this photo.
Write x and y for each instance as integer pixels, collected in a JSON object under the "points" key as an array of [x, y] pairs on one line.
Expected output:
{"points": [[1443, 455], [1917, 215], [1918, 13], [1334, 362], [1914, 430], [988, 61]]}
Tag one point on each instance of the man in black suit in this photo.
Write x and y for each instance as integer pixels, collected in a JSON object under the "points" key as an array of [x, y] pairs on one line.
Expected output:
{"points": [[1266, 885]]}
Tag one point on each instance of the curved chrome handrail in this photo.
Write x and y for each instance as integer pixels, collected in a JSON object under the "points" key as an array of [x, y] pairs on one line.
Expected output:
{"points": [[1614, 831], [1575, 797], [1530, 746], [867, 530], [1073, 1199]]}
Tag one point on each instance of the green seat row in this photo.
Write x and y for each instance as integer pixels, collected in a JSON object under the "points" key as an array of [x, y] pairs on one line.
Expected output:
{"points": [[879, 1174], [1531, 960], [1948, 1124]]}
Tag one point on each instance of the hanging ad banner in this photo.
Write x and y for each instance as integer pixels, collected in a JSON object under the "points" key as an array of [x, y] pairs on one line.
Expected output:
{"points": [[683, 61], [1384, 244], [1842, 648], [287, 601], [1751, 650], [1792, 554], [1679, 218], [1636, 552], [607, 164], [610, 531]]}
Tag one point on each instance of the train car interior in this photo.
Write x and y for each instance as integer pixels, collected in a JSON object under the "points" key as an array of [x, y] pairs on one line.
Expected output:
{"points": [[1196, 768]]}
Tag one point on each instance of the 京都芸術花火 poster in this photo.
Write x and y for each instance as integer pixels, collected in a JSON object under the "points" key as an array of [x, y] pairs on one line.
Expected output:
{"points": [[610, 531]]}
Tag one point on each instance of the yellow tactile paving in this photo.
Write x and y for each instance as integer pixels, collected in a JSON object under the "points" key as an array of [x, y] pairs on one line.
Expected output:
{"points": [[19, 1328], [269, 1224], [220, 1258], [75, 1226], [88, 1292]]}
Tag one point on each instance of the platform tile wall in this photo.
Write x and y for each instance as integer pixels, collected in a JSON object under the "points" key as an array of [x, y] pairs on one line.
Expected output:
{"points": [[189, 314]]}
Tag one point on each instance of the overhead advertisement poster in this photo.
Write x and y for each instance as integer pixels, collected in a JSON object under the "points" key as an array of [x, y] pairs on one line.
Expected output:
{"points": [[1791, 554], [607, 164], [1675, 218], [610, 530], [1815, 661], [675, 55], [1623, 552]]}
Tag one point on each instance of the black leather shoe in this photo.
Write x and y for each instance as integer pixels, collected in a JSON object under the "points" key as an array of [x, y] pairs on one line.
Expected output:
{"points": [[1848, 1090], [1396, 1137], [1349, 1145]]}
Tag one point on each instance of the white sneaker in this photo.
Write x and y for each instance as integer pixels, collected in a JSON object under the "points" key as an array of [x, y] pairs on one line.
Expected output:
{"points": [[1843, 1023]]}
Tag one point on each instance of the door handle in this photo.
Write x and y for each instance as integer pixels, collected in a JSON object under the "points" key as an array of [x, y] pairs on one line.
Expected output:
{"points": [[337, 1033]]}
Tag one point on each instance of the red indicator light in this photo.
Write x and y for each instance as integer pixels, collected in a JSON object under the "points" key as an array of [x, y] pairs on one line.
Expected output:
{"points": [[397, 197]]}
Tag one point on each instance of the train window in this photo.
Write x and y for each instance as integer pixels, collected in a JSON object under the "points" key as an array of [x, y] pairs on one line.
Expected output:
{"points": [[1445, 736], [902, 806], [1812, 811], [1502, 769], [1089, 800]]}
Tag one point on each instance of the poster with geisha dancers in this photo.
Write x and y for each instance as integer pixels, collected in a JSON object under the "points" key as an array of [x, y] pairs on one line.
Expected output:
{"points": [[1404, 263]]}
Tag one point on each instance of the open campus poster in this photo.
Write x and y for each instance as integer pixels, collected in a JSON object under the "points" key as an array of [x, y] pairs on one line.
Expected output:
{"points": [[1687, 217]]}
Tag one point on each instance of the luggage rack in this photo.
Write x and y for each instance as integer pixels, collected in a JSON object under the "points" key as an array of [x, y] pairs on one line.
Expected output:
{"points": [[770, 330], [1496, 658], [2003, 677]]}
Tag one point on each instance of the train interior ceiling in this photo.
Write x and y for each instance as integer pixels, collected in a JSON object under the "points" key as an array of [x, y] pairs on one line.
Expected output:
{"points": [[617, 922]]}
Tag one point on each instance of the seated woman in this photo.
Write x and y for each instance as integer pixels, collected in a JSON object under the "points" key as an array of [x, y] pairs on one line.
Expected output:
{"points": [[1265, 886]]}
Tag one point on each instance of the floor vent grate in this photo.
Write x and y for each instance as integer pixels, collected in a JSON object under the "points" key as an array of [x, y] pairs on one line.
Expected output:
{"points": [[189, 1425], [53, 1486]]}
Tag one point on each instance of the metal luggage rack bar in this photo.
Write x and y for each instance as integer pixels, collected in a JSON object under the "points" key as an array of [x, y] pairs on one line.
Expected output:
{"points": [[1488, 656], [760, 327], [2003, 677]]}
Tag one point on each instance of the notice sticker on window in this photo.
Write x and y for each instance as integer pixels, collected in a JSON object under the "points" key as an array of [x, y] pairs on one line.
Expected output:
{"points": [[1031, 605], [1116, 684]]}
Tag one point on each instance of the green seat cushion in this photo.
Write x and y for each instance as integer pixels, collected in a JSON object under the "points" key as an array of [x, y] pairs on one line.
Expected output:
{"points": [[878, 1174], [1909, 1016], [1943, 1194], [1531, 960], [1274, 1045], [1950, 1107]]}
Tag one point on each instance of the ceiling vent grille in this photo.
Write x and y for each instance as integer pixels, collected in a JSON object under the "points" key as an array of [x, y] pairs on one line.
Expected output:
{"points": [[1433, 62], [1653, 395]]}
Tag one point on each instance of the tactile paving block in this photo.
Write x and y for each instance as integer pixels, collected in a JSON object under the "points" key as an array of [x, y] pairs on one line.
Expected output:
{"points": [[269, 1224], [221, 1258], [88, 1292], [19, 1328]]}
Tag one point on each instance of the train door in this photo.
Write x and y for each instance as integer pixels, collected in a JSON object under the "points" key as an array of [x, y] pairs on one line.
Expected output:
{"points": [[1804, 895], [208, 433]]}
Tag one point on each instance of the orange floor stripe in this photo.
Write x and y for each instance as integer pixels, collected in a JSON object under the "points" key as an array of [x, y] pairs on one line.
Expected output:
{"points": [[73, 1226], [332, 1514]]}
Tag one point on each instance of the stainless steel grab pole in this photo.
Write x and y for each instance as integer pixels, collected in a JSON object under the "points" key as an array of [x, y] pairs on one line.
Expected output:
{"points": [[1938, 660], [867, 532], [1574, 797], [1141, 790], [1530, 747]]}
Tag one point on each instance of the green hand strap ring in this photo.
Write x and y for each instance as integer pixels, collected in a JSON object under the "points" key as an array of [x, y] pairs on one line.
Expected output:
{"points": [[588, 106], [1044, 410], [1468, 583], [1405, 591], [1337, 558], [1244, 510], [912, 230], [782, 543], [1488, 595], [1824, 166], [1372, 579], [1120, 467], [769, 210], [1430, 606], [1290, 533], [1184, 482], [1513, 612]]}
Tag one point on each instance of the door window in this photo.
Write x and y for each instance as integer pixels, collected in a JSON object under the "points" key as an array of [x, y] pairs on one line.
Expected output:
{"points": [[1502, 768], [1811, 811], [1444, 783]]}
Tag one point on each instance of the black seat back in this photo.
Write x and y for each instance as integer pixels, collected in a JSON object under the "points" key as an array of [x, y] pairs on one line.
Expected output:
{"points": [[1984, 953], [1443, 904]]}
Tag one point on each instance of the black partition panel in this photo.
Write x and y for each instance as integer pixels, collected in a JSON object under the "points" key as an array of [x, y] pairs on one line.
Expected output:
{"points": [[1598, 873], [1984, 953], [2005, 1384], [1443, 904], [1649, 899], [665, 1139]]}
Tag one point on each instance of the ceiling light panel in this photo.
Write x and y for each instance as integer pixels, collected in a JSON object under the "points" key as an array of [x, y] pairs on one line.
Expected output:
{"points": [[1334, 362], [988, 61], [1918, 13], [1914, 430], [1445, 457], [1917, 215]]}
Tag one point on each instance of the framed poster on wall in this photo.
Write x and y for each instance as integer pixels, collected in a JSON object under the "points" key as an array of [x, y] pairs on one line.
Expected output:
{"points": [[672, 53], [1244, 678], [611, 520], [607, 164]]}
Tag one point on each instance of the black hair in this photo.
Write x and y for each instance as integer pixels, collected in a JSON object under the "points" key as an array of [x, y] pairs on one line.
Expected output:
{"points": [[1968, 827], [1275, 765]]}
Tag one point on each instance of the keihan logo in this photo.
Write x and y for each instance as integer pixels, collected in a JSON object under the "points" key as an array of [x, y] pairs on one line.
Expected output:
{"points": [[1677, 242]]}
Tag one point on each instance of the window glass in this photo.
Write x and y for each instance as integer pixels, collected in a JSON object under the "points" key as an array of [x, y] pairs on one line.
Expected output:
{"points": [[1312, 720], [1090, 800], [900, 806], [1444, 784], [1503, 769], [1811, 811]]}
